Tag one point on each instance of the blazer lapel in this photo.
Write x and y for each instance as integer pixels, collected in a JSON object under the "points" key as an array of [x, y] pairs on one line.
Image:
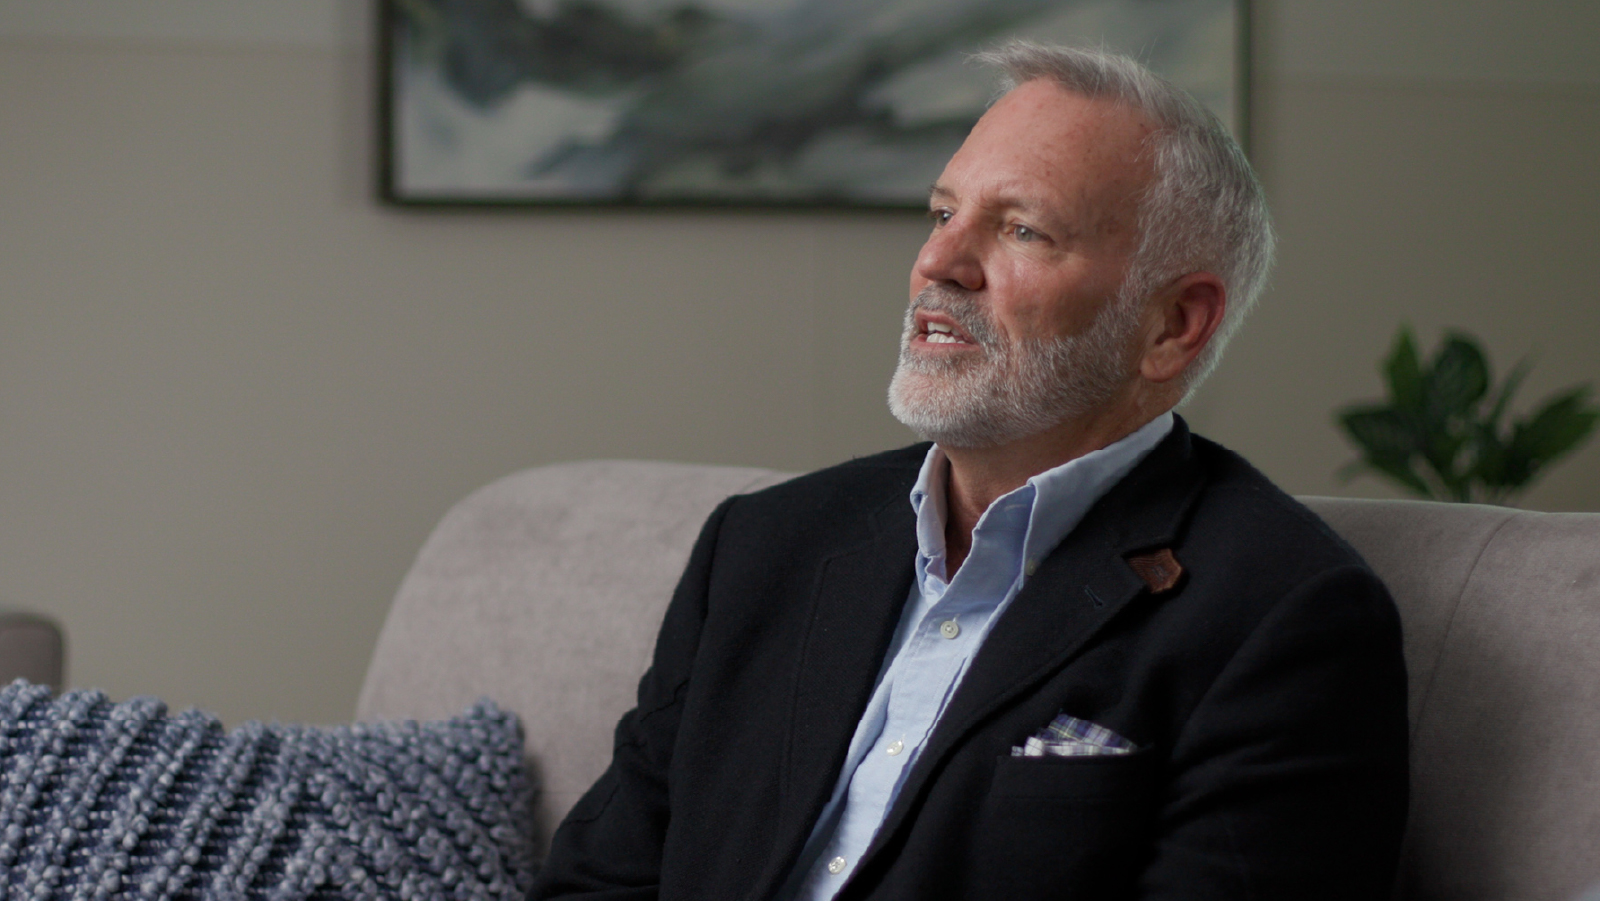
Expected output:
{"points": [[1084, 582], [859, 598]]}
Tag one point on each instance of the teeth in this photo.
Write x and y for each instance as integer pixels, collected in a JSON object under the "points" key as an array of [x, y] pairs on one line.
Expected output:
{"points": [[940, 333]]}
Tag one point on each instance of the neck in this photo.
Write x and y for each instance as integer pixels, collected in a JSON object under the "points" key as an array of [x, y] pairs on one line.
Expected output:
{"points": [[980, 475]]}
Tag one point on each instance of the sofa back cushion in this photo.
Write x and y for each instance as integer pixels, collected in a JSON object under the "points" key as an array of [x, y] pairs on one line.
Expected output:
{"points": [[544, 591], [1501, 610]]}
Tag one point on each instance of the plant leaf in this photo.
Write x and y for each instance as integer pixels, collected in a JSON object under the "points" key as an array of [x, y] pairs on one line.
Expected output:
{"points": [[1503, 397], [1388, 439], [1557, 428], [1441, 448], [1458, 378], [1491, 458], [1381, 432], [1403, 372], [1436, 438]]}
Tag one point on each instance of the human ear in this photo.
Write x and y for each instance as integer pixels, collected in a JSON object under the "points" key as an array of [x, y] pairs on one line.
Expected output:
{"points": [[1188, 312]]}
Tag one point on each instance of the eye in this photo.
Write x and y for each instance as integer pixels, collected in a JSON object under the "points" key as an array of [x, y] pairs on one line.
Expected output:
{"points": [[1025, 234], [939, 217]]}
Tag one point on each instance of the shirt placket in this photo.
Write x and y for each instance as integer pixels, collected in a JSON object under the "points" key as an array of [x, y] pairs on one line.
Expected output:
{"points": [[922, 679]]}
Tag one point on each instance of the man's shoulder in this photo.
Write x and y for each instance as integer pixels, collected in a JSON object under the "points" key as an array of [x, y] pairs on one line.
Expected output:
{"points": [[869, 481], [1260, 518], [828, 509]]}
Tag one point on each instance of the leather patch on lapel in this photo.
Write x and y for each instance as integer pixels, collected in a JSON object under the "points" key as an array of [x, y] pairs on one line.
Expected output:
{"points": [[1158, 569]]}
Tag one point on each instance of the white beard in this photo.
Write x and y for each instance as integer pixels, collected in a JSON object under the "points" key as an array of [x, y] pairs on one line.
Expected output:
{"points": [[1012, 391]]}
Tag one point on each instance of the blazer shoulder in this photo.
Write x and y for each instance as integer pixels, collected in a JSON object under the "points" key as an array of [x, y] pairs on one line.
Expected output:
{"points": [[830, 508], [1240, 498], [863, 481], [1255, 555]]}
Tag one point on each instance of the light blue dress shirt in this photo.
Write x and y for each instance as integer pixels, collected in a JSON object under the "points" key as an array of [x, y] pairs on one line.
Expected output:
{"points": [[944, 624]]}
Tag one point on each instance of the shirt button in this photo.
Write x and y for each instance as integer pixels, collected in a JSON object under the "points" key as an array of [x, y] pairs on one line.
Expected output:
{"points": [[949, 628], [895, 747], [1031, 568], [836, 866]]}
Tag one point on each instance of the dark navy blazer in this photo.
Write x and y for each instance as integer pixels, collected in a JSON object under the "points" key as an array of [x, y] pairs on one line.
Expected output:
{"points": [[1266, 692]]}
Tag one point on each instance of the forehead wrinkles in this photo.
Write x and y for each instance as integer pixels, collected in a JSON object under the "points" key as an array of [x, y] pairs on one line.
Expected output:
{"points": [[1044, 150], [1104, 161]]}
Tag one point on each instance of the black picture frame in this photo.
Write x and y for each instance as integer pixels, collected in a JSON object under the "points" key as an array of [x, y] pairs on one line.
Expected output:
{"points": [[594, 103]]}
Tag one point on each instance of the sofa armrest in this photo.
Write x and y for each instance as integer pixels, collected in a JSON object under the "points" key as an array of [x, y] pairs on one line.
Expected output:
{"points": [[32, 647]]}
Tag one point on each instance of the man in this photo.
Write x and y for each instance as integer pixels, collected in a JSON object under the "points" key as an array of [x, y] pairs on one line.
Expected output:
{"points": [[1094, 656]]}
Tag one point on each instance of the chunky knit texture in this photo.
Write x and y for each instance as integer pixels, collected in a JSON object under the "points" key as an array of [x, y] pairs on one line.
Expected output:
{"points": [[103, 800]]}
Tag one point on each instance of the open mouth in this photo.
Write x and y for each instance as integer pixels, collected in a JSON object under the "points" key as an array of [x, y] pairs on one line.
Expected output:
{"points": [[937, 328]]}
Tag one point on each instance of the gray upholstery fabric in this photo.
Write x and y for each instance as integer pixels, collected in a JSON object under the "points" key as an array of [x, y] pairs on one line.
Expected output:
{"points": [[544, 591], [1502, 617]]}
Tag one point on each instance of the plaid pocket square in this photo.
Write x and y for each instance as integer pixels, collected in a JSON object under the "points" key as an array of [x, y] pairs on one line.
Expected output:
{"points": [[1068, 736]]}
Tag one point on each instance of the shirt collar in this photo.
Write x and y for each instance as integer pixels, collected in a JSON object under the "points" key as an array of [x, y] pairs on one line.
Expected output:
{"points": [[1058, 498]]}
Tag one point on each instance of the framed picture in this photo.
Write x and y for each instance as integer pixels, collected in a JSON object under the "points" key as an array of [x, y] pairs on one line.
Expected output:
{"points": [[833, 103]]}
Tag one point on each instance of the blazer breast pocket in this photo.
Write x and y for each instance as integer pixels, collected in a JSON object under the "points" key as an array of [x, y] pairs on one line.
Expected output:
{"points": [[1074, 827], [1092, 776]]}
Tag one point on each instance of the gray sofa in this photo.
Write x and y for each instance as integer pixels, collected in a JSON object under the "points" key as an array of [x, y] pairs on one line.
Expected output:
{"points": [[543, 591], [32, 647]]}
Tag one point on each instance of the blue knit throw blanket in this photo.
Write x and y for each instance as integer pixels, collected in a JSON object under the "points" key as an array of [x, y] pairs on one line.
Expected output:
{"points": [[103, 800]]}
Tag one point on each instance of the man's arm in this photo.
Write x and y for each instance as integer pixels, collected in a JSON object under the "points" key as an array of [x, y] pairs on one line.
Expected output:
{"points": [[609, 846], [1289, 781]]}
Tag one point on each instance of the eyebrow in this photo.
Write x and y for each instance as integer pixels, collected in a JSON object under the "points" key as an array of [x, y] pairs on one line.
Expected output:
{"points": [[1030, 204]]}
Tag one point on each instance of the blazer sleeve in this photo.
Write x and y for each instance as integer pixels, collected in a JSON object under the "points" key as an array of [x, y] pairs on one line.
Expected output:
{"points": [[609, 846], [1289, 781]]}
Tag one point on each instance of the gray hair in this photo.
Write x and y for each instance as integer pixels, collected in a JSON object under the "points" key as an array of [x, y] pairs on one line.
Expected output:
{"points": [[1204, 208]]}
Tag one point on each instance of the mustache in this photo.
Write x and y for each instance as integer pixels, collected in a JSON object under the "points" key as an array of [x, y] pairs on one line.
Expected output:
{"points": [[960, 305]]}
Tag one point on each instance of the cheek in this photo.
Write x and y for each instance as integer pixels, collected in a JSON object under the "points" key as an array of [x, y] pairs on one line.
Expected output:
{"points": [[1063, 301], [1044, 303]]}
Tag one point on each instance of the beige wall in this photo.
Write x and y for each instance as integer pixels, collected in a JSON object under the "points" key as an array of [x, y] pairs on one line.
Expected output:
{"points": [[235, 393]]}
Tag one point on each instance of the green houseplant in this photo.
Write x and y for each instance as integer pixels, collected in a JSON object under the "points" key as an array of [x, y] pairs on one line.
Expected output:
{"points": [[1445, 432]]}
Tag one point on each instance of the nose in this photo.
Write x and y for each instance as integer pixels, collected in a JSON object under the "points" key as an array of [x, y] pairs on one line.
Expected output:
{"points": [[951, 255]]}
